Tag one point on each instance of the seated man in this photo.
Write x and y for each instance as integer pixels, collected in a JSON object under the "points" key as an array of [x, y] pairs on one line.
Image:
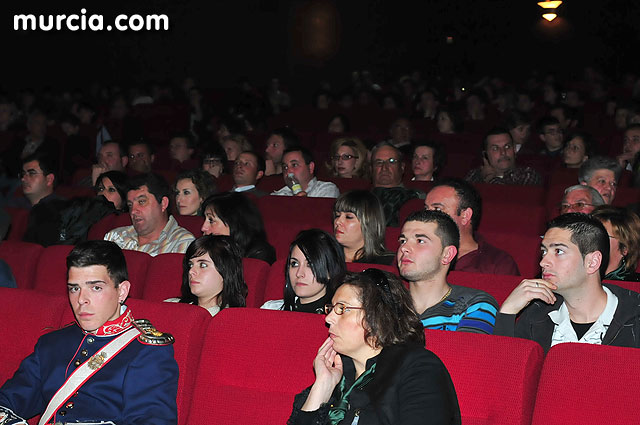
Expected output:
{"points": [[499, 163], [387, 168], [428, 246], [247, 170], [111, 157], [401, 132], [281, 139], [141, 157], [154, 231], [602, 174], [630, 148], [550, 133], [580, 198], [106, 367], [181, 148], [299, 162], [461, 201], [570, 303]]}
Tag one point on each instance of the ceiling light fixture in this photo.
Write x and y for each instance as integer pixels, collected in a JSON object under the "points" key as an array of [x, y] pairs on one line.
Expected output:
{"points": [[549, 9]]}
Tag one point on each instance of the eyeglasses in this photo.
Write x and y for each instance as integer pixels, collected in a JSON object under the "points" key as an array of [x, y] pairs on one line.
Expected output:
{"points": [[344, 157], [211, 161], [575, 206], [381, 162], [30, 173], [339, 308]]}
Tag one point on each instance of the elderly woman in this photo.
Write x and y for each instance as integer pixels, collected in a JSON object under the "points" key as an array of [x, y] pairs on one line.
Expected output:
{"points": [[373, 368], [623, 227], [348, 159], [359, 226]]}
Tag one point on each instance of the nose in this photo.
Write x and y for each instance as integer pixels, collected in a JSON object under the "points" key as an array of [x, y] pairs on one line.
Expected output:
{"points": [[330, 318], [544, 261], [82, 296], [205, 227], [192, 272], [300, 272]]}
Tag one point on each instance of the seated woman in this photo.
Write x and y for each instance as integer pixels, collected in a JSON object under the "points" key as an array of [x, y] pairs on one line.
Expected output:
{"points": [[348, 159], [338, 123], [427, 161], [192, 188], [214, 160], [314, 267], [577, 149], [448, 121], [623, 227], [212, 275], [359, 226], [234, 145], [113, 186], [373, 368], [233, 214]]}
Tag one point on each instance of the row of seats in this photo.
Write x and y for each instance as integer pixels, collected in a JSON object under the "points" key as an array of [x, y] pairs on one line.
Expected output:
{"points": [[158, 278], [244, 366]]}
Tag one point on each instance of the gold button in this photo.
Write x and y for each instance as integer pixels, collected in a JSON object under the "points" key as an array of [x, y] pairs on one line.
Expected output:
{"points": [[84, 352], [62, 412], [77, 362], [69, 405], [90, 340]]}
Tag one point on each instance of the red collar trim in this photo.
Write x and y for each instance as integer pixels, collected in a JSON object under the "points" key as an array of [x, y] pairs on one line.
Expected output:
{"points": [[116, 326]]}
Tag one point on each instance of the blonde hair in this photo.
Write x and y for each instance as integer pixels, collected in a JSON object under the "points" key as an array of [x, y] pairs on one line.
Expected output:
{"points": [[362, 164]]}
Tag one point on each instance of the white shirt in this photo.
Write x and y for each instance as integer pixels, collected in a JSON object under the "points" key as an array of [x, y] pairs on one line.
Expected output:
{"points": [[315, 189], [564, 332], [244, 188], [173, 238]]}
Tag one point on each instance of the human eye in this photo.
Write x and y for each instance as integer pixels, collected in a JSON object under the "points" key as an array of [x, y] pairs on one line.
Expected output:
{"points": [[203, 265], [402, 241], [73, 289], [494, 148], [96, 288], [129, 204], [543, 251], [421, 241], [508, 146], [350, 216], [559, 251], [100, 189], [112, 190], [293, 263], [186, 192], [142, 201]]}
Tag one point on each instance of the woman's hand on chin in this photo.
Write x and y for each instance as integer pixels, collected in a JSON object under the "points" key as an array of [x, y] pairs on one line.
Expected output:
{"points": [[328, 369]]}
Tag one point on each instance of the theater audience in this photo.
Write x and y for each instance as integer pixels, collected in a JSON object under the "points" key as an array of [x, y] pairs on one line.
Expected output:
{"points": [[623, 229], [519, 127], [315, 267], [449, 121], [279, 140], [462, 202], [233, 214], [298, 162], [630, 148], [550, 133], [374, 367], [154, 231], [401, 135], [578, 148], [248, 168], [182, 147], [580, 198], [358, 225], [141, 157], [429, 243], [602, 174], [349, 158], [212, 275], [427, 161], [191, 189]]}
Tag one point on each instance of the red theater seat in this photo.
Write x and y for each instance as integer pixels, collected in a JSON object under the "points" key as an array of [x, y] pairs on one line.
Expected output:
{"points": [[588, 384], [164, 277], [255, 275], [19, 221], [359, 267], [525, 250], [495, 377], [192, 223], [22, 257], [274, 288], [501, 193], [253, 362], [498, 286], [110, 222], [137, 266]]}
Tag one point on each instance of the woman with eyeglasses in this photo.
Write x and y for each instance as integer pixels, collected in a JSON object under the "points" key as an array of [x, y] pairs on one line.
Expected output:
{"points": [[373, 368], [348, 159], [313, 270], [623, 227]]}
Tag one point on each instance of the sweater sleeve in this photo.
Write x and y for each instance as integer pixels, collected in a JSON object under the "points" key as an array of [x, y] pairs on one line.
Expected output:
{"points": [[300, 417]]}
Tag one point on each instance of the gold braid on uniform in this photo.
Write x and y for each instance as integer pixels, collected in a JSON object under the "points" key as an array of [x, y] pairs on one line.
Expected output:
{"points": [[150, 335]]}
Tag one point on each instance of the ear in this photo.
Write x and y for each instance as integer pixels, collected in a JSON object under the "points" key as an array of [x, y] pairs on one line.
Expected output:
{"points": [[259, 175], [541, 136], [125, 161], [583, 183], [123, 290], [165, 203], [449, 254], [593, 261], [50, 178], [466, 215], [312, 167]]}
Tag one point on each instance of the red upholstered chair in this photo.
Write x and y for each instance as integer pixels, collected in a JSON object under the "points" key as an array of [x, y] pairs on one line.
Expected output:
{"points": [[346, 185], [495, 377], [525, 250], [110, 222], [255, 275], [633, 286], [588, 384], [275, 281], [253, 362], [19, 221], [192, 223], [137, 265], [51, 271], [498, 286], [500, 193], [359, 267], [22, 257], [26, 315], [523, 218], [270, 183], [164, 277]]}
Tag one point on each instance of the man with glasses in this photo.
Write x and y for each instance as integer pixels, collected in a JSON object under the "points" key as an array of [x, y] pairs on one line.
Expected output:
{"points": [[499, 162], [387, 168], [299, 163], [580, 198]]}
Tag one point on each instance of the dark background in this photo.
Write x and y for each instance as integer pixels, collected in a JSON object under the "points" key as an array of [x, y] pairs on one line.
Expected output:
{"points": [[305, 41]]}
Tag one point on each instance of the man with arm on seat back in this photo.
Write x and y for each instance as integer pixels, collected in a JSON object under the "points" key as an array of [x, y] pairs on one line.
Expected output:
{"points": [[106, 368], [570, 303]]}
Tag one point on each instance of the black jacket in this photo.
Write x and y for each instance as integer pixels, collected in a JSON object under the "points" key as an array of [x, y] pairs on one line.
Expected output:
{"points": [[410, 386], [535, 324]]}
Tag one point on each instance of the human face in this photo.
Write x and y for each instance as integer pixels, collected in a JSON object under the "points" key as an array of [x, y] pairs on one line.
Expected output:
{"points": [[94, 297], [387, 167], [109, 191], [188, 199], [348, 230], [336, 126], [578, 200], [422, 163], [500, 152], [631, 141], [109, 156], [574, 153], [232, 149], [345, 167], [401, 131], [213, 166], [444, 123], [274, 149], [562, 264], [420, 253], [213, 225], [35, 184], [346, 330], [604, 181], [303, 281], [293, 162], [140, 158], [445, 199], [205, 282], [552, 137], [521, 133], [147, 215], [245, 170], [428, 101], [179, 149], [615, 253]]}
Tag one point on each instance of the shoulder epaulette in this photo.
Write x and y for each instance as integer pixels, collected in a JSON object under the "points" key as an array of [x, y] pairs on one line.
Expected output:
{"points": [[150, 335]]}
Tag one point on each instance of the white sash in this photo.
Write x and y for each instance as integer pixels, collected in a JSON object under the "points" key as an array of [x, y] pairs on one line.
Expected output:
{"points": [[86, 371]]}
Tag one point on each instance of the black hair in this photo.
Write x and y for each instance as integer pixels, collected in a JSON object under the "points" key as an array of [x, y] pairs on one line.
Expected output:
{"points": [[446, 230], [306, 153], [259, 160], [120, 182], [494, 132], [47, 163], [289, 137], [468, 196], [156, 185], [439, 154], [100, 253]]}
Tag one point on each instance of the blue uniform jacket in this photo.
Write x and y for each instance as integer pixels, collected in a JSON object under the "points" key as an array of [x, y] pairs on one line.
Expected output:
{"points": [[138, 386]]}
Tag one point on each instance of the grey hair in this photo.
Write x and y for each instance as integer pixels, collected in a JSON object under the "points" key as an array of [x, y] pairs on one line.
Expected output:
{"points": [[596, 198], [598, 163]]}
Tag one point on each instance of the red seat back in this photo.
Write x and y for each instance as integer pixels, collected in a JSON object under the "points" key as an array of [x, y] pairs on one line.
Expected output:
{"points": [[137, 266], [22, 257], [255, 275], [110, 222], [498, 286], [525, 250], [192, 223], [19, 221], [274, 289], [164, 277]]}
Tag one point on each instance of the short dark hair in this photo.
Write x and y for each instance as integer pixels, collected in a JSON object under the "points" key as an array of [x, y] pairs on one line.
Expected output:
{"points": [[138, 142], [47, 163], [546, 121], [587, 233], [468, 195], [326, 259], [156, 185], [121, 149], [494, 132], [389, 315], [515, 119], [100, 253], [120, 182], [289, 137], [446, 230], [380, 145], [227, 260], [454, 116], [587, 140], [191, 143], [439, 154], [262, 166], [306, 153]]}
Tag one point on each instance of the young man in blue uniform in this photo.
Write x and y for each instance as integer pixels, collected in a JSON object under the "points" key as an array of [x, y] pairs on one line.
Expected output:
{"points": [[106, 368]]}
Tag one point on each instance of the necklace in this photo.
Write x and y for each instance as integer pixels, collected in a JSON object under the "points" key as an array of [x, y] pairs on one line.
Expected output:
{"points": [[445, 295]]}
